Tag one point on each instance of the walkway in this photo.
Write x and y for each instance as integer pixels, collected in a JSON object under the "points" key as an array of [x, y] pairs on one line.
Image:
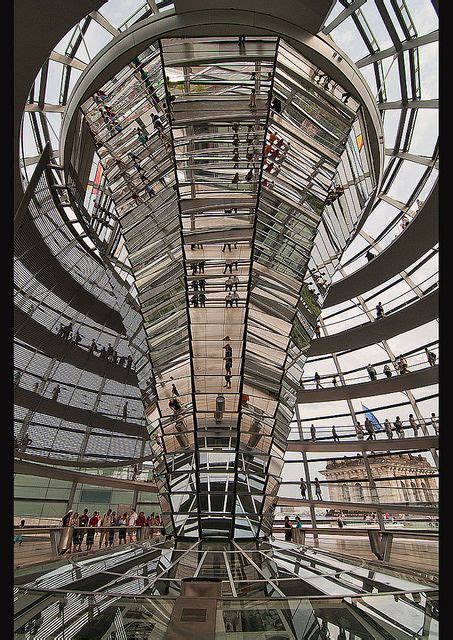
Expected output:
{"points": [[36, 256], [415, 380], [47, 471], [397, 507], [35, 402], [34, 333], [396, 444], [410, 317], [421, 236]]}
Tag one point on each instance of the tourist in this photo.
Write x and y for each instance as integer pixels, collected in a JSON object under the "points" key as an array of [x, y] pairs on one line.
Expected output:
{"points": [[140, 522], [297, 533], [252, 100], [370, 429], [318, 381], [318, 331], [335, 435], [413, 424], [402, 365], [106, 521], [288, 529], [90, 533], [387, 371], [359, 431], [388, 429], [132, 521], [435, 423], [56, 392], [65, 521], [175, 405], [122, 522], [334, 381], [431, 357], [303, 488], [379, 311], [125, 412], [83, 522], [228, 266], [313, 433], [369, 256], [74, 524], [399, 427], [371, 372], [318, 489]]}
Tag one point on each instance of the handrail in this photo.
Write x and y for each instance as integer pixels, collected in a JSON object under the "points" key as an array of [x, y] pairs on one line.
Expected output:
{"points": [[336, 374], [146, 598], [434, 276], [31, 186]]}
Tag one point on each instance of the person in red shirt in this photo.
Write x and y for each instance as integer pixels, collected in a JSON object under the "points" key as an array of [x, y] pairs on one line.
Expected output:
{"points": [[140, 522], [94, 520]]}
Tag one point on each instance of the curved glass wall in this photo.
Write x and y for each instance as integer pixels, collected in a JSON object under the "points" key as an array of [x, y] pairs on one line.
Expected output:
{"points": [[395, 48]]}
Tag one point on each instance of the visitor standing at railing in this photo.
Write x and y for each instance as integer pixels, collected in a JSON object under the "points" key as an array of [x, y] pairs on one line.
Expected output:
{"points": [[359, 431], [132, 522], [106, 521], [83, 522], [140, 522], [388, 429], [318, 489], [431, 357], [399, 427], [93, 522], [288, 529], [303, 488], [414, 424], [297, 533], [74, 523], [122, 522]]}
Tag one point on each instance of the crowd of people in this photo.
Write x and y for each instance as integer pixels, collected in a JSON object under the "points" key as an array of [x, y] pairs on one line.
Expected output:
{"points": [[67, 332], [84, 528]]}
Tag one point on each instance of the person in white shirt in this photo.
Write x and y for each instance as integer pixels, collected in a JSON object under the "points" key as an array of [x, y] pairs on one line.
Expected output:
{"points": [[131, 523], [359, 431]]}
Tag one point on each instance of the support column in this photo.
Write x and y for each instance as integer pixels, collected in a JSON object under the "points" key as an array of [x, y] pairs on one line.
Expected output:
{"points": [[307, 477], [373, 490]]}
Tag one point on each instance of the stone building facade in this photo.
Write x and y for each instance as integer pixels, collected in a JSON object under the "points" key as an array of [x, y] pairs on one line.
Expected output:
{"points": [[400, 490]]}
